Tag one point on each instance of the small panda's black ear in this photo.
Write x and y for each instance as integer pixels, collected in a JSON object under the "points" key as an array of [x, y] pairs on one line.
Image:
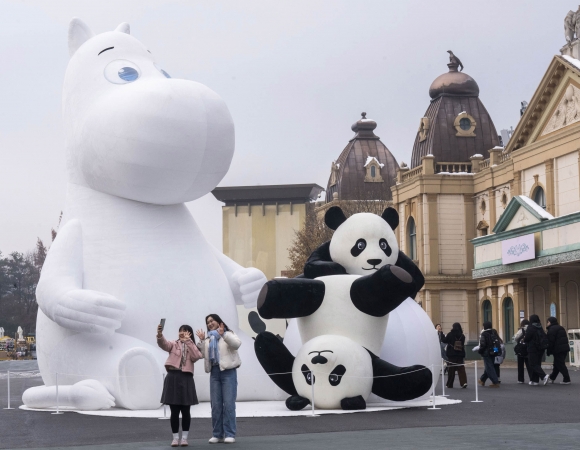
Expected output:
{"points": [[391, 216], [334, 217]]}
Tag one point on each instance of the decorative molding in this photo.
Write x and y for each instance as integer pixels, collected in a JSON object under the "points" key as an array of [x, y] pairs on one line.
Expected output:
{"points": [[423, 128], [512, 208], [543, 261], [566, 111], [460, 131]]}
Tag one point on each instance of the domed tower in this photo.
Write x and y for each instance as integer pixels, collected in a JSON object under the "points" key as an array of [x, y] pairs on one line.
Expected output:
{"points": [[365, 169], [456, 125]]}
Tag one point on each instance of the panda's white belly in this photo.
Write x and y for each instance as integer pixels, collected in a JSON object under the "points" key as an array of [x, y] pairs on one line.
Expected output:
{"points": [[337, 315]]}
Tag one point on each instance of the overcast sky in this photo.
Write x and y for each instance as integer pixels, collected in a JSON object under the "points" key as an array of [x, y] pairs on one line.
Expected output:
{"points": [[295, 75]]}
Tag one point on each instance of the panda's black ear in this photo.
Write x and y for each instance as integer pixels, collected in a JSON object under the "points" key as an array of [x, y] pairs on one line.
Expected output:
{"points": [[334, 217], [391, 216]]}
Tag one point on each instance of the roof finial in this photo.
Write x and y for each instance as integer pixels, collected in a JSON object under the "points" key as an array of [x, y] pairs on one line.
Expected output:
{"points": [[454, 62], [363, 115]]}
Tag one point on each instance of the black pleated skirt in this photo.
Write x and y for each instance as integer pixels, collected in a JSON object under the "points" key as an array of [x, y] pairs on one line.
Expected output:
{"points": [[179, 389]]}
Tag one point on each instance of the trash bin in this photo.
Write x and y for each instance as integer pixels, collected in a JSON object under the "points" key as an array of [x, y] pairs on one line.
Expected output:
{"points": [[574, 338]]}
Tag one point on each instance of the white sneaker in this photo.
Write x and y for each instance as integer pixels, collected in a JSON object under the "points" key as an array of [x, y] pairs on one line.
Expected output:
{"points": [[533, 383], [229, 440], [564, 382], [215, 440], [546, 379], [520, 382]]}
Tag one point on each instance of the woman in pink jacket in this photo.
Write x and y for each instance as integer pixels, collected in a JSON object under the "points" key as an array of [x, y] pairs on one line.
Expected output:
{"points": [[179, 387]]}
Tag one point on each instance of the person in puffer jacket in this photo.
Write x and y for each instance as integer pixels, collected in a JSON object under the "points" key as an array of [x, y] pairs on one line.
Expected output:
{"points": [[533, 333], [523, 354], [559, 347], [499, 358]]}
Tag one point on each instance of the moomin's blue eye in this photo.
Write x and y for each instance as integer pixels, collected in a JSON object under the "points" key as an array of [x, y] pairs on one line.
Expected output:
{"points": [[128, 74]]}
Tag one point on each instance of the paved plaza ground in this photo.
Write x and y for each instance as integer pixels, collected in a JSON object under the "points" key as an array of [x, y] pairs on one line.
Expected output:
{"points": [[513, 417]]}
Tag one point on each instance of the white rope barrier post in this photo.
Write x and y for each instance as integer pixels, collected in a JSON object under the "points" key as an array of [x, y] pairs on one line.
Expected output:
{"points": [[58, 411], [433, 396], [477, 400], [164, 405], [443, 379], [9, 391], [312, 395]]}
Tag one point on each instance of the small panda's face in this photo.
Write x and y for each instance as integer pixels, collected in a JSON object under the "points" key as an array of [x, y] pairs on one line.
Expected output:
{"points": [[337, 367], [363, 244]]}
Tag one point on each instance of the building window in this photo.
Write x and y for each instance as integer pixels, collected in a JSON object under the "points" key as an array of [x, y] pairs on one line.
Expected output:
{"points": [[412, 239], [553, 310], [486, 308], [373, 171], [508, 319], [504, 200], [540, 197], [465, 124]]}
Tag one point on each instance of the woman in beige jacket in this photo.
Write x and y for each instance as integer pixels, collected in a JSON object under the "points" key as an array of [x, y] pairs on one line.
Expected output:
{"points": [[220, 352]]}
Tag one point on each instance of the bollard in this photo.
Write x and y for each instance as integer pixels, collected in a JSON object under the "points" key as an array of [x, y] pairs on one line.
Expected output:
{"points": [[312, 395], [443, 378], [477, 400], [57, 405], [9, 391], [433, 407], [164, 405]]}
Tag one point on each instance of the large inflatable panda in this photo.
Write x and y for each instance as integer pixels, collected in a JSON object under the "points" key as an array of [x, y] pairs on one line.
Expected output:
{"points": [[349, 287]]}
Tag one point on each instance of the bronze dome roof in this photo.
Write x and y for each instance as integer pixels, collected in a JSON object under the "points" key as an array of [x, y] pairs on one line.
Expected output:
{"points": [[453, 83]]}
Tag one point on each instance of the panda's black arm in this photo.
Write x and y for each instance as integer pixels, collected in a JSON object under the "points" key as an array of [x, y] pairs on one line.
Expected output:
{"points": [[404, 262], [289, 298], [399, 383], [320, 264], [380, 293]]}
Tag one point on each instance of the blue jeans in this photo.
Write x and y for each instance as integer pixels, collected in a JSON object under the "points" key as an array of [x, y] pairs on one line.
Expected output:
{"points": [[223, 389], [489, 370]]}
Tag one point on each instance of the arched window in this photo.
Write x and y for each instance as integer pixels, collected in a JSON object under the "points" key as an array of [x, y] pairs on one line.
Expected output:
{"points": [[540, 197], [412, 239], [508, 319], [486, 308], [373, 171], [553, 310]]}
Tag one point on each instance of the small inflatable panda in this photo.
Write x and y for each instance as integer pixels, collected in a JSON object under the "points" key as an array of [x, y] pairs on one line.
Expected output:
{"points": [[349, 286]]}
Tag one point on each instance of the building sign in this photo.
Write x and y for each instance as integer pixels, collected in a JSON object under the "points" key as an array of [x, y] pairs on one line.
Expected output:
{"points": [[521, 248]]}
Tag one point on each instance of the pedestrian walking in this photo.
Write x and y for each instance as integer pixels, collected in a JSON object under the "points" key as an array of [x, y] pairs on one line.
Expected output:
{"points": [[498, 361], [441, 336], [455, 352], [558, 345], [220, 351], [537, 342], [521, 351], [179, 387], [489, 347]]}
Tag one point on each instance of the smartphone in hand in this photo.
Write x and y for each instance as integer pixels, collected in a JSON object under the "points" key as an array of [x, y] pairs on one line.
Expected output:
{"points": [[162, 323]]}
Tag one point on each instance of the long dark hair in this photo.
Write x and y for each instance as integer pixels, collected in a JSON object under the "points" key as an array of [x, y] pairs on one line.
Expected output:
{"points": [[524, 323], [189, 330], [456, 328], [218, 319]]}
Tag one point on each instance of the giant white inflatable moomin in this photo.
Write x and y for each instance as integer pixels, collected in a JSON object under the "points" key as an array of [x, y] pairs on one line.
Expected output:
{"points": [[128, 253]]}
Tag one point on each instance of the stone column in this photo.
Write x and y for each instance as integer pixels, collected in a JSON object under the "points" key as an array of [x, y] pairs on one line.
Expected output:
{"points": [[550, 187], [428, 163], [435, 306], [475, 162], [433, 241], [492, 210], [494, 156], [515, 187], [472, 331], [419, 223], [494, 307], [554, 295], [469, 229]]}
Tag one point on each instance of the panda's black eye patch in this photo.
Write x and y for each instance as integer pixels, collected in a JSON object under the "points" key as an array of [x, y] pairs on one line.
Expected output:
{"points": [[308, 376], [385, 247], [358, 248], [336, 375]]}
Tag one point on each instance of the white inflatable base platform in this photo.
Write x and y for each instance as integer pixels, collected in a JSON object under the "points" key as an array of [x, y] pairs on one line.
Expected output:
{"points": [[257, 409]]}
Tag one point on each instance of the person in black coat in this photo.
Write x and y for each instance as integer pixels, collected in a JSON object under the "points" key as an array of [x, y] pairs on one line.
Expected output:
{"points": [[485, 340], [522, 351], [534, 332], [559, 347], [455, 353]]}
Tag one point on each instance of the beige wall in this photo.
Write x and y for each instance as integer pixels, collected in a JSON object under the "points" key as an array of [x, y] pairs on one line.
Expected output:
{"points": [[453, 305], [567, 184], [528, 178], [451, 219]]}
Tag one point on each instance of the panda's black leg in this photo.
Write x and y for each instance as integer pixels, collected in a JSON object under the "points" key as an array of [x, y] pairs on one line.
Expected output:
{"points": [[380, 293], [408, 383], [353, 403], [275, 358], [296, 403], [289, 298]]}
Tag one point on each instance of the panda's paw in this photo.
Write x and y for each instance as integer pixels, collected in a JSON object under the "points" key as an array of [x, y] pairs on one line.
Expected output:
{"points": [[296, 403], [353, 403], [390, 272]]}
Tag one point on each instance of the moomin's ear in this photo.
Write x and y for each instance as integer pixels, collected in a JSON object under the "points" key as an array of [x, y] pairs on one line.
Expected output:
{"points": [[78, 33], [334, 217], [391, 216], [124, 28]]}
